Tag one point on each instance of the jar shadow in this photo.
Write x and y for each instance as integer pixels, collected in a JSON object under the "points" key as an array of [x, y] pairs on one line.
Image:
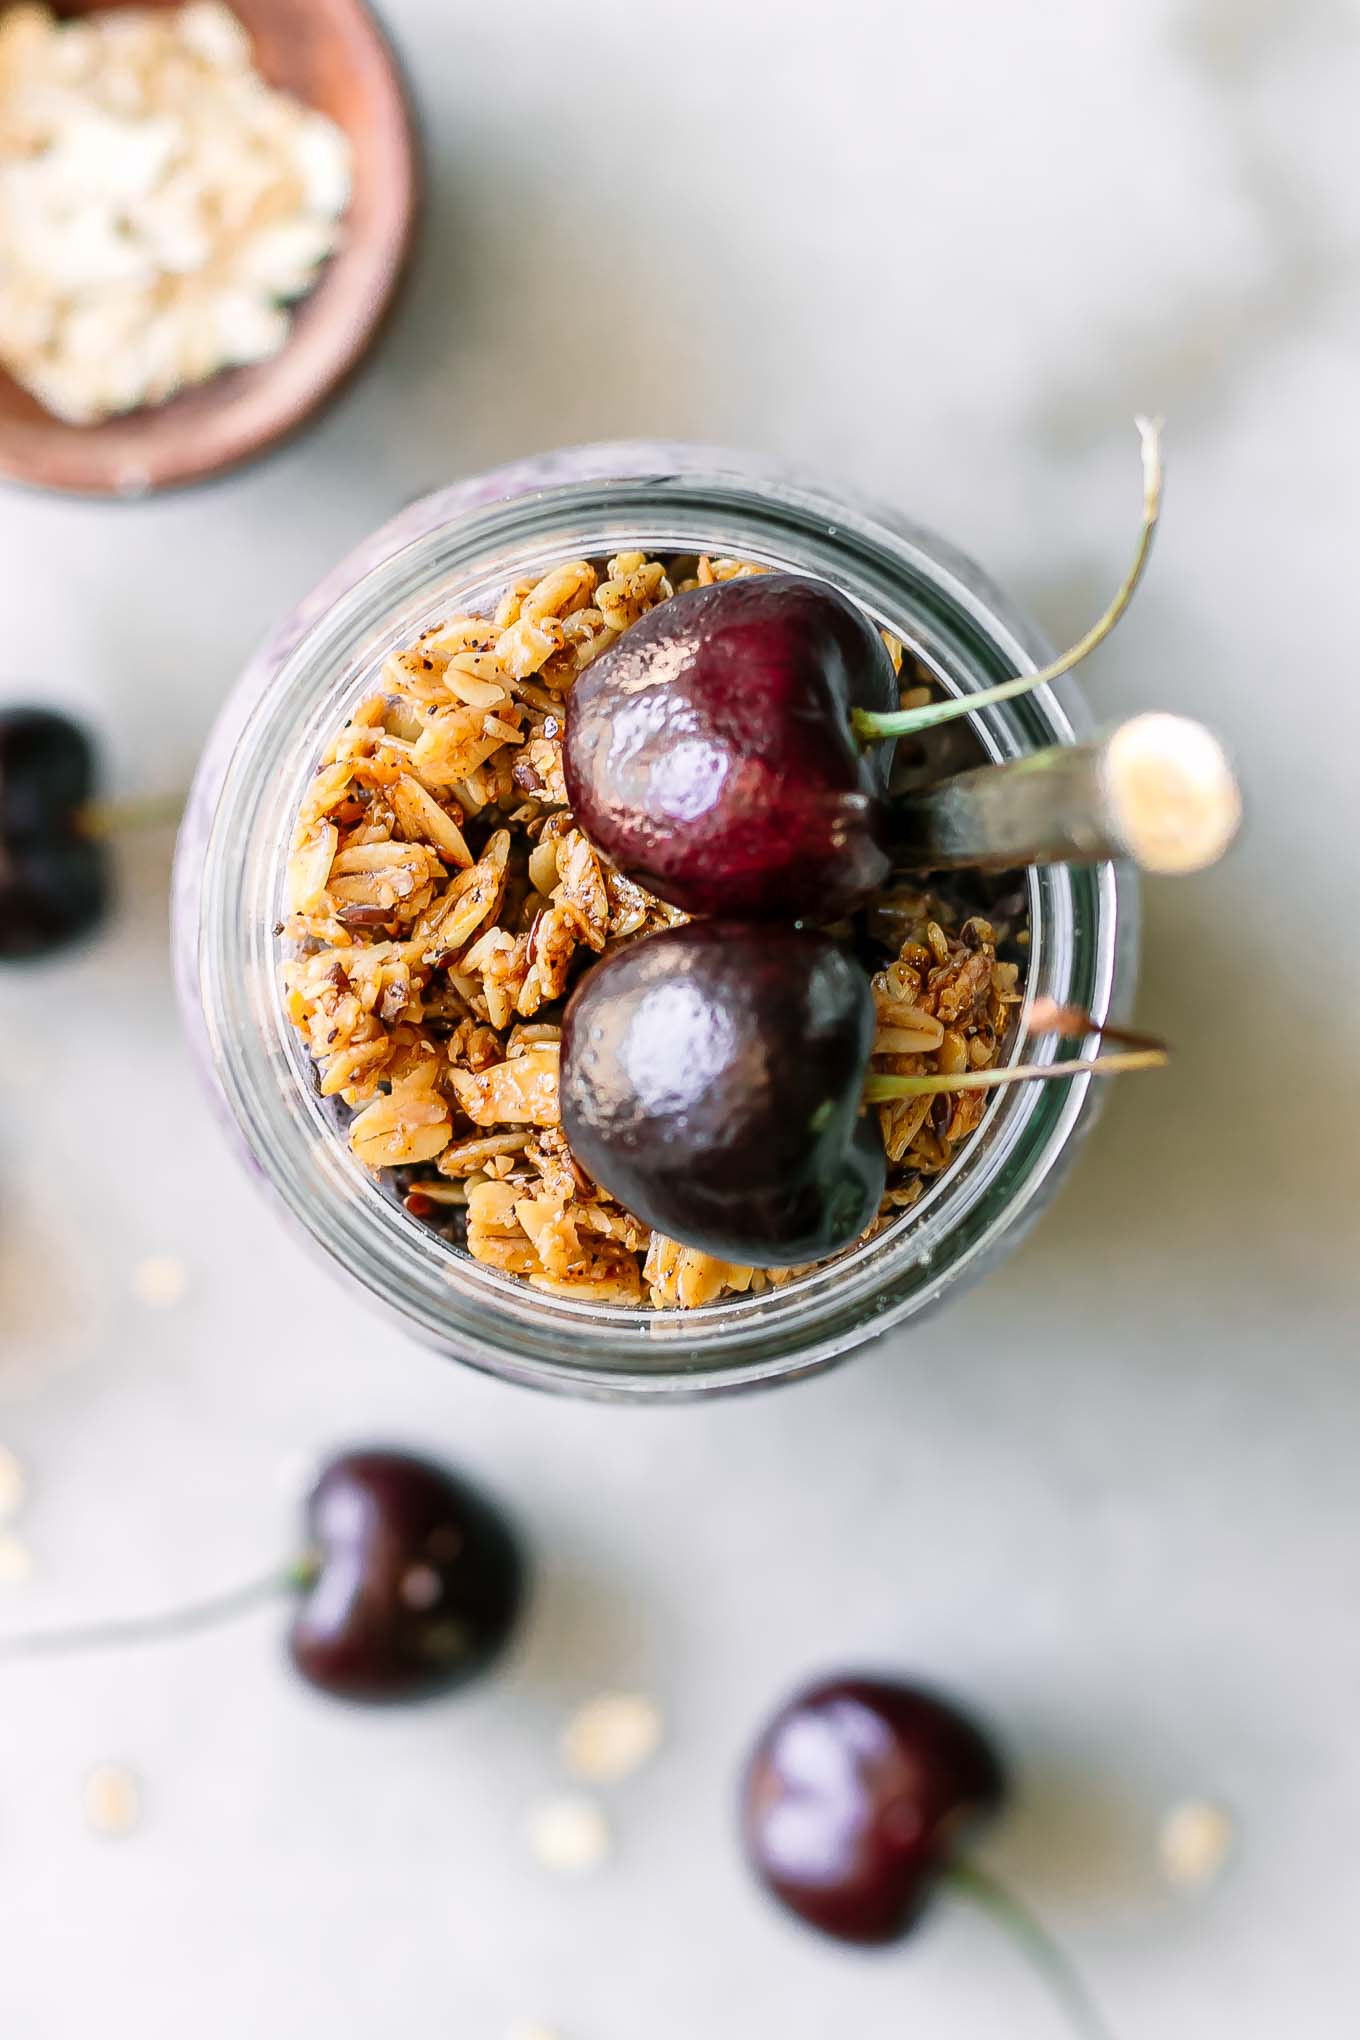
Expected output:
{"points": [[1078, 1839], [587, 1630], [1235, 1178]]}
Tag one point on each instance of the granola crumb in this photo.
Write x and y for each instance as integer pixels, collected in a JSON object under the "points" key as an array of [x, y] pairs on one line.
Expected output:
{"points": [[160, 1281], [112, 1800], [16, 1560], [569, 1835], [442, 902], [1195, 1844], [13, 1484], [611, 1736]]}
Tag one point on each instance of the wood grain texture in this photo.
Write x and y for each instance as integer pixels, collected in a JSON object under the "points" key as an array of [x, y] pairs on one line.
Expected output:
{"points": [[331, 55]]}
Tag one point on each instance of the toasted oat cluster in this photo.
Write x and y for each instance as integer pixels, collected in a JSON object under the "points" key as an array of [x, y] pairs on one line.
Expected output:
{"points": [[441, 901]]}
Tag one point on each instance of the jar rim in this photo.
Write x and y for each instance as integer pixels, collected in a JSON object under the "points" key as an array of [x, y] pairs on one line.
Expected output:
{"points": [[457, 547]]}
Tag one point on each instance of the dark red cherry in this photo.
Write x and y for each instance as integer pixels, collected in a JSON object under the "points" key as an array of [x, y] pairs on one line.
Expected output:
{"points": [[711, 1081], [53, 877], [417, 1580], [858, 1795], [709, 753]]}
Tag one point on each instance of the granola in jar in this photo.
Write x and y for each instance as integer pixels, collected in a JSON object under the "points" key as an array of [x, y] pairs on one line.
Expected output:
{"points": [[442, 902]]}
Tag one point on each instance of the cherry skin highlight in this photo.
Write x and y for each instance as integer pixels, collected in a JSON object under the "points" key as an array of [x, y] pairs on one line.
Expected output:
{"points": [[711, 1081], [415, 1584], [709, 753], [857, 1798]]}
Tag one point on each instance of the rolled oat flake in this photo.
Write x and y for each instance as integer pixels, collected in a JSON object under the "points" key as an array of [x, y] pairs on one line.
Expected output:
{"points": [[112, 1799], [13, 1484], [611, 1736], [569, 1835], [1196, 1844]]}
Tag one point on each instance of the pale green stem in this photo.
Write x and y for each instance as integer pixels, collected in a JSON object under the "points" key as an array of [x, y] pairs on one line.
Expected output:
{"points": [[1029, 1934], [907, 722], [878, 1089], [136, 1629]]}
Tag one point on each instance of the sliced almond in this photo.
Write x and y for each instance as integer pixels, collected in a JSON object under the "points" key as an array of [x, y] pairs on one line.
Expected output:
{"points": [[520, 1092], [421, 820]]}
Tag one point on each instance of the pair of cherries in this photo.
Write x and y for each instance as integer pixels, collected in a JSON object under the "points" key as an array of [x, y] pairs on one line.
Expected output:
{"points": [[54, 884], [722, 755], [732, 753]]}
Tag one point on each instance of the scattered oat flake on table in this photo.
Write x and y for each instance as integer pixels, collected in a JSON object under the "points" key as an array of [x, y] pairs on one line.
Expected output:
{"points": [[611, 1736], [1195, 1843], [569, 1835], [532, 2029], [16, 1560], [13, 1484], [112, 1799], [160, 1281]]}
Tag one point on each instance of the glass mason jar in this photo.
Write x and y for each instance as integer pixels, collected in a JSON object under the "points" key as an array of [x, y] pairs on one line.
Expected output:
{"points": [[457, 550]]}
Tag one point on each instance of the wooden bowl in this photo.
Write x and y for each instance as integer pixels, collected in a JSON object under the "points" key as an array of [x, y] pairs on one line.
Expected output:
{"points": [[331, 55]]}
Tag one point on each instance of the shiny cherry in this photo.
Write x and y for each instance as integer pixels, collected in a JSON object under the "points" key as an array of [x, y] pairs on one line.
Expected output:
{"points": [[415, 1585], [732, 750], [710, 755], [858, 1796], [711, 1082], [53, 877]]}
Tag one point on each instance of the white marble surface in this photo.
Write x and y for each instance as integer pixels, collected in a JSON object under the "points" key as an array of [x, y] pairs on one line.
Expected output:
{"points": [[944, 253]]}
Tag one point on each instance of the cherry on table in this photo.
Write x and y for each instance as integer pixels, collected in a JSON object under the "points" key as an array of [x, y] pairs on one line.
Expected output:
{"points": [[859, 1801], [54, 885], [417, 1580], [409, 1583], [859, 1795], [711, 1080]]}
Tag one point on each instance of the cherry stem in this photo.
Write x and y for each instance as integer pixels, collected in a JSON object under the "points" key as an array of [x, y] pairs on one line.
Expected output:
{"points": [[1028, 1933], [104, 818], [1074, 1023], [907, 722], [183, 1621], [878, 1089]]}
